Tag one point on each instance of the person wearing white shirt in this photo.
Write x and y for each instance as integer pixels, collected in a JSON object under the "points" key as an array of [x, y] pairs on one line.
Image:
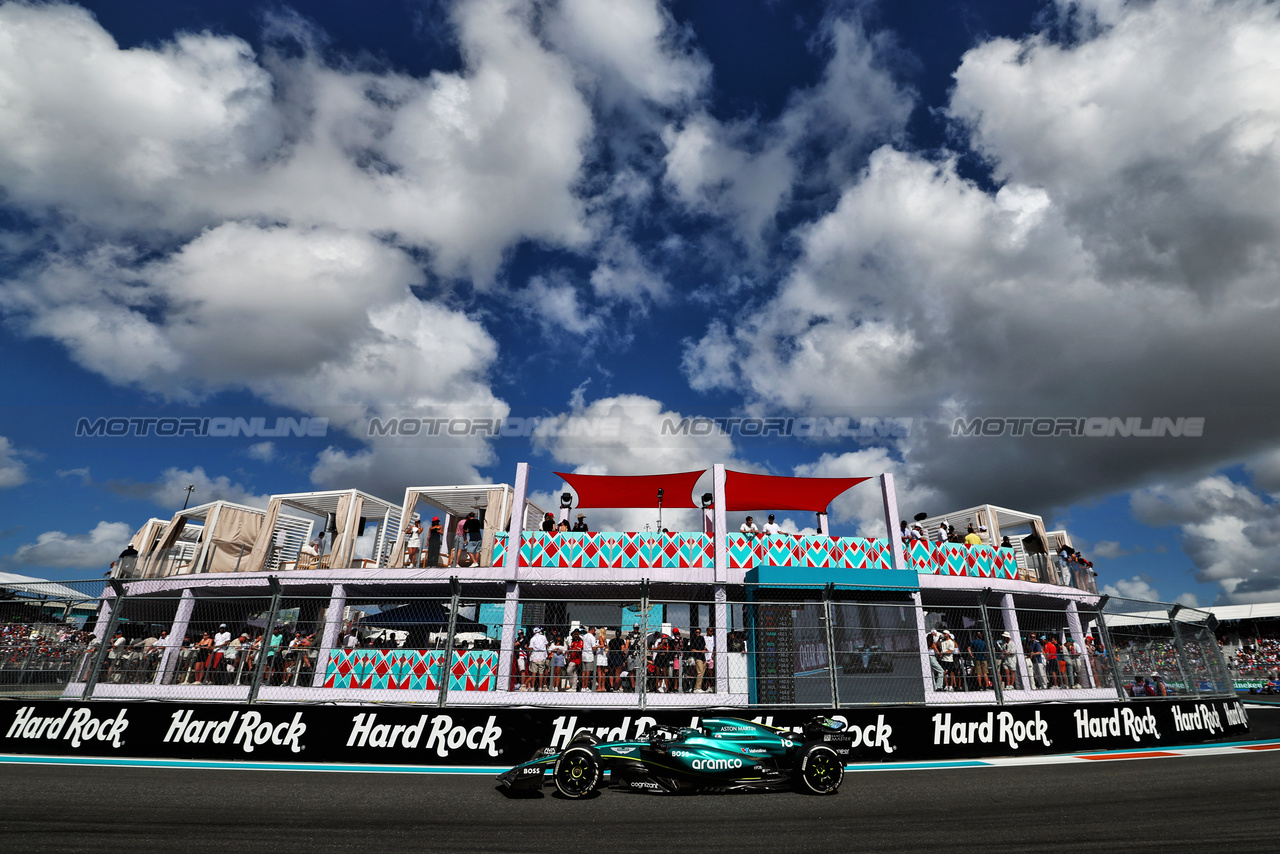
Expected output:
{"points": [[749, 528], [771, 527], [538, 658], [588, 659]]}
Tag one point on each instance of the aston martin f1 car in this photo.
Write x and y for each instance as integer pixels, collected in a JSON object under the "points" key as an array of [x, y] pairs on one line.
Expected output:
{"points": [[722, 754]]}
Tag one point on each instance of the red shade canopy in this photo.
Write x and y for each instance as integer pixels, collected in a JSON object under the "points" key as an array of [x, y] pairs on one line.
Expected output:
{"points": [[766, 492], [598, 490]]}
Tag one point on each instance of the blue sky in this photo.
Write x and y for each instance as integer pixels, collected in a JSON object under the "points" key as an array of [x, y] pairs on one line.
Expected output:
{"points": [[621, 213]]}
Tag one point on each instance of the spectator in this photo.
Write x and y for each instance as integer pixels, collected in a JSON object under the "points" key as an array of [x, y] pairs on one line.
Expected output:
{"points": [[947, 656], [698, 646], [548, 524], [972, 538], [978, 651], [1008, 660], [414, 546], [934, 664], [538, 659], [749, 528], [475, 536], [459, 542], [771, 527], [581, 524], [1038, 675], [435, 540]]}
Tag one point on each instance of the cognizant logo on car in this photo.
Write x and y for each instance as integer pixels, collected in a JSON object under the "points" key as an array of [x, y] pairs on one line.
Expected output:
{"points": [[716, 764]]}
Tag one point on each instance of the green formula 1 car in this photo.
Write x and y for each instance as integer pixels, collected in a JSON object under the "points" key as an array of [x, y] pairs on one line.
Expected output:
{"points": [[720, 755]]}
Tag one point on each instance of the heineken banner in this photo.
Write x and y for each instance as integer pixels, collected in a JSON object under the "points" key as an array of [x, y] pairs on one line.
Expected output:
{"points": [[501, 737]]}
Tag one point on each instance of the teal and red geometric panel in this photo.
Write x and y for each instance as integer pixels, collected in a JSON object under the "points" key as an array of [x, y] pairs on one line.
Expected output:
{"points": [[410, 669], [571, 550], [691, 551], [929, 558], [474, 670], [747, 552], [403, 669]]}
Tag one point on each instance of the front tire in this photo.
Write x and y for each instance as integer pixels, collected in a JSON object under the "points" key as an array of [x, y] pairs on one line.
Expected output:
{"points": [[819, 770], [577, 772]]}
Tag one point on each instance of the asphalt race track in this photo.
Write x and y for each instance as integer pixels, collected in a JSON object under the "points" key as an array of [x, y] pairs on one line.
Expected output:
{"points": [[1219, 802]]}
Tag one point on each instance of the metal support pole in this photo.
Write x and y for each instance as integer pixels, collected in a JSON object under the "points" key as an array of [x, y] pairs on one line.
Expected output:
{"points": [[446, 664], [1111, 650], [827, 593], [642, 686], [264, 649], [993, 669], [1181, 650], [91, 680]]}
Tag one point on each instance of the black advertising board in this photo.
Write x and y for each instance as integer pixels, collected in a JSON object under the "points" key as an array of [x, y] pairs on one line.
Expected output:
{"points": [[500, 737]]}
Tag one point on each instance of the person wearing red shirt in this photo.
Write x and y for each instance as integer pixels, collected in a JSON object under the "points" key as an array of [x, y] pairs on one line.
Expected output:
{"points": [[573, 660], [1051, 663]]}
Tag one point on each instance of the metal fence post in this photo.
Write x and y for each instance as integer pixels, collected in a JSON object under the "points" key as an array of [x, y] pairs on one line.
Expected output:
{"points": [[1191, 684], [993, 668], [1112, 656], [1224, 678], [264, 649], [827, 593], [642, 675], [91, 680], [446, 661]]}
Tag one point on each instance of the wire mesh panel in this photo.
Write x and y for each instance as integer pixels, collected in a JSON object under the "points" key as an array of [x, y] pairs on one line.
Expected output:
{"points": [[1145, 649], [603, 651], [1202, 661], [788, 654], [376, 643], [1053, 647], [875, 649]]}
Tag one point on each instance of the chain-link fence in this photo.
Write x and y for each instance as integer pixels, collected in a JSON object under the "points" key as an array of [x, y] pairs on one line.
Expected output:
{"points": [[475, 642]]}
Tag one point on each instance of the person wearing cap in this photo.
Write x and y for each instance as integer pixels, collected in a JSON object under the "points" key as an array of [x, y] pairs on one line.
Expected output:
{"points": [[435, 540], [1008, 660], [127, 561], [590, 671], [934, 665], [548, 524], [947, 655], [1051, 662], [573, 661], [1038, 676], [538, 658], [771, 527], [580, 525], [221, 638]]}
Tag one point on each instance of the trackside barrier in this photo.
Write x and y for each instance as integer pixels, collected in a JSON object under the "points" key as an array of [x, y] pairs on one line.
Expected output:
{"points": [[472, 642]]}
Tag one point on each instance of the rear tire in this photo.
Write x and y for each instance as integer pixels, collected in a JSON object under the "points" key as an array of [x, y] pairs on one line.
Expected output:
{"points": [[819, 770], [577, 772]]}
